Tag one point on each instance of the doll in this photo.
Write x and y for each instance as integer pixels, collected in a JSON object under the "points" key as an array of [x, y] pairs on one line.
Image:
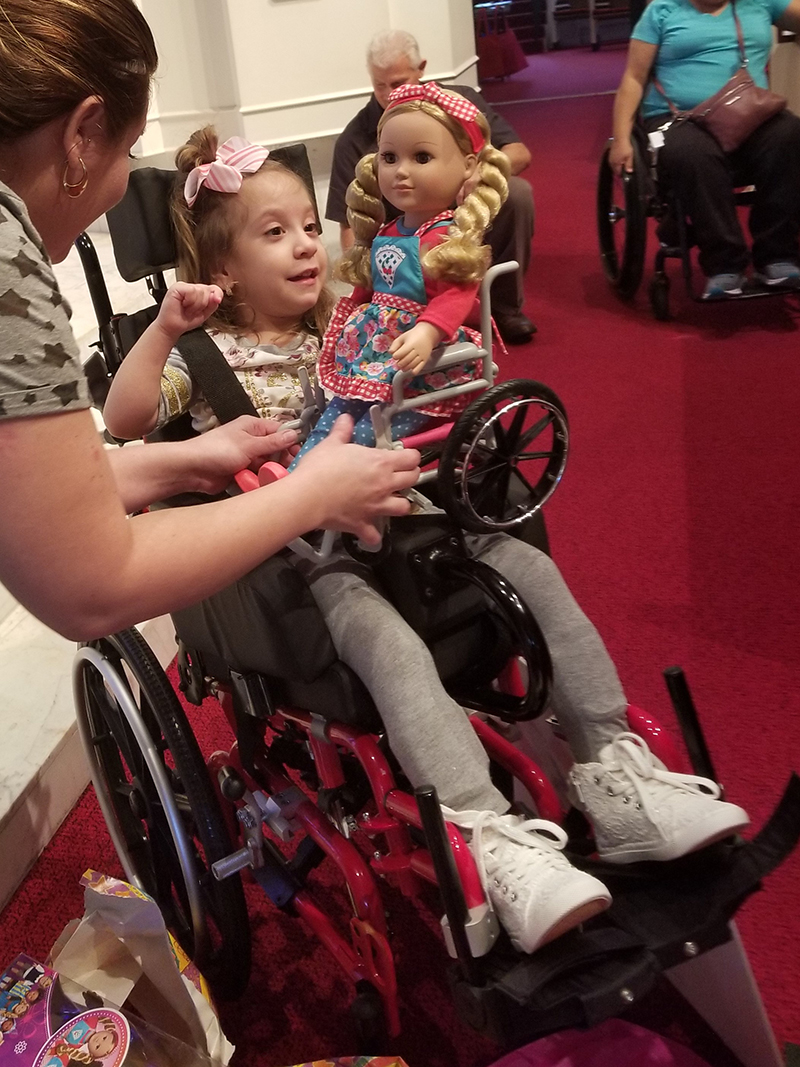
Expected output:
{"points": [[416, 279]]}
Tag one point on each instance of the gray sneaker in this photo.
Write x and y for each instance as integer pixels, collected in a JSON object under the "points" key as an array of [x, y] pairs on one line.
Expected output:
{"points": [[724, 286], [534, 889], [642, 811], [779, 276]]}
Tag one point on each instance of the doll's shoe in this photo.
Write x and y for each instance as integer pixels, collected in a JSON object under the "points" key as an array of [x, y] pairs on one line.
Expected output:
{"points": [[641, 811], [537, 893], [270, 472]]}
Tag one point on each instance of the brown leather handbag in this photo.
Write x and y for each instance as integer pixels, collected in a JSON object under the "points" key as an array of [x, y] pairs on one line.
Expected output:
{"points": [[737, 109]]}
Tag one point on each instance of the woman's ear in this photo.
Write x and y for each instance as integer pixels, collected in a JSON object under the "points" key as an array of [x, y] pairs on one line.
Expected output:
{"points": [[84, 129]]}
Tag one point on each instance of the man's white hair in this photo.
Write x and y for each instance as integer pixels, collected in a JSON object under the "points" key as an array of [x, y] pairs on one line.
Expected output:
{"points": [[388, 46]]}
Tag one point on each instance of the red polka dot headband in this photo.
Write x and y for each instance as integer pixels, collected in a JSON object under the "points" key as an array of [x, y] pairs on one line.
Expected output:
{"points": [[463, 111]]}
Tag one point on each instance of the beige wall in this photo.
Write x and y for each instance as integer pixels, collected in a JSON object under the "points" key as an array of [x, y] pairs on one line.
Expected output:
{"points": [[784, 73], [277, 71]]}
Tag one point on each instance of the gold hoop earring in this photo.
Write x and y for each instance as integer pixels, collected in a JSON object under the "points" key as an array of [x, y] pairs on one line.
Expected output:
{"points": [[78, 188]]}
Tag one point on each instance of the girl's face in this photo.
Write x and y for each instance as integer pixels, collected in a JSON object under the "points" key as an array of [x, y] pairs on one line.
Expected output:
{"points": [[420, 166], [278, 263]]}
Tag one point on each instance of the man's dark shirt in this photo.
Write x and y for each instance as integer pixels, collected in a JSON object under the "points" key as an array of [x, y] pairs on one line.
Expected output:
{"points": [[360, 136]]}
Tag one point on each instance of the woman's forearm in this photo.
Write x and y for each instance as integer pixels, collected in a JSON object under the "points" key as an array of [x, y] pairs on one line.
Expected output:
{"points": [[144, 473], [70, 555], [626, 104]]}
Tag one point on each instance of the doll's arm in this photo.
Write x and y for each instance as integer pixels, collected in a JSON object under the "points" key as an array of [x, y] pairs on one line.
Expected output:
{"points": [[449, 306], [131, 408], [412, 349]]}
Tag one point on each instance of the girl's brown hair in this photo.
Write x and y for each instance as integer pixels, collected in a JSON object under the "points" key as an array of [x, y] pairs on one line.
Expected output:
{"points": [[55, 53], [205, 234], [462, 258]]}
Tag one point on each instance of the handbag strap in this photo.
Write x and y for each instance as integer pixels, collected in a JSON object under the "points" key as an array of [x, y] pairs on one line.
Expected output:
{"points": [[740, 37]]}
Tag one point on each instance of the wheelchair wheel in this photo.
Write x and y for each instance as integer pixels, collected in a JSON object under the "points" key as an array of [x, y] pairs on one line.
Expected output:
{"points": [[659, 296], [504, 457], [159, 803], [622, 210]]}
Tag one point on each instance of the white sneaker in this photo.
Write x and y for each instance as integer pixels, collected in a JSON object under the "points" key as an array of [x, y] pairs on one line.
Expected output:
{"points": [[642, 811], [537, 893]]}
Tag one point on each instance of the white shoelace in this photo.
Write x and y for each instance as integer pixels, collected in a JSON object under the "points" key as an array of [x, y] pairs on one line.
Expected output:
{"points": [[547, 837], [634, 765]]}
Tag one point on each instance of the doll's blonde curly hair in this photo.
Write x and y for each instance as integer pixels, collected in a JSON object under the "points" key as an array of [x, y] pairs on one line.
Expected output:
{"points": [[462, 258]]}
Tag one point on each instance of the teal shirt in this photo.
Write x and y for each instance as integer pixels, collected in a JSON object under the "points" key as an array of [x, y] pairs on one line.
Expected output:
{"points": [[698, 52]]}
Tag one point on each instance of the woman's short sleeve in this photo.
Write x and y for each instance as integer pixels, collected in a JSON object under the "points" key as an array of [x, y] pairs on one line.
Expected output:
{"points": [[651, 22], [40, 367]]}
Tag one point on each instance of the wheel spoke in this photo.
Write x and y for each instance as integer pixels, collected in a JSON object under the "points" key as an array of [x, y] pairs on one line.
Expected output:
{"points": [[535, 455], [513, 432], [535, 430]]}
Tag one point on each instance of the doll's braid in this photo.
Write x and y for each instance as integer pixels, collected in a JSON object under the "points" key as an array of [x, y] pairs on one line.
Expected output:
{"points": [[365, 216], [463, 258]]}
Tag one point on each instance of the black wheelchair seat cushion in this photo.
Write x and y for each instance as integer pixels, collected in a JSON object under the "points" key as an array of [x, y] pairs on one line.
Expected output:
{"points": [[268, 623]]}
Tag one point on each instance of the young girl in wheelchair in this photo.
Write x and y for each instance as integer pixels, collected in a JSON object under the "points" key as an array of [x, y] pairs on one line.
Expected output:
{"points": [[251, 254]]}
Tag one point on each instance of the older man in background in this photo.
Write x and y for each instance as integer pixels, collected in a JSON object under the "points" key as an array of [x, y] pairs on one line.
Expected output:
{"points": [[393, 59]]}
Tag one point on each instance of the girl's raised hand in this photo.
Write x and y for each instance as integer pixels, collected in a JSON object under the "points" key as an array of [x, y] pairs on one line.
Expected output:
{"points": [[185, 307]]}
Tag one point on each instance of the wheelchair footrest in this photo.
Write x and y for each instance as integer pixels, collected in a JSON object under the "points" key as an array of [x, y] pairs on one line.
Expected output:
{"points": [[682, 908], [662, 914], [577, 981]]}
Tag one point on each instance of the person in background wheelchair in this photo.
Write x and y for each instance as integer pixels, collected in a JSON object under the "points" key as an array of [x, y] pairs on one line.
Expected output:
{"points": [[682, 52], [639, 810]]}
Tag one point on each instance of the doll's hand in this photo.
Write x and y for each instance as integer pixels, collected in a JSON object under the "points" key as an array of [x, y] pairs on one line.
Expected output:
{"points": [[185, 307], [467, 187], [412, 349]]}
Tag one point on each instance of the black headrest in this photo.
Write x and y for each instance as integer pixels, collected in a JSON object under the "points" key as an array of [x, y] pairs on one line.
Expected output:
{"points": [[140, 227]]}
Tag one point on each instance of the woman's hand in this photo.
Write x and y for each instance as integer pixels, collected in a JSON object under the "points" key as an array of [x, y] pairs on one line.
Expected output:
{"points": [[620, 156], [248, 441], [412, 349], [185, 307], [353, 485]]}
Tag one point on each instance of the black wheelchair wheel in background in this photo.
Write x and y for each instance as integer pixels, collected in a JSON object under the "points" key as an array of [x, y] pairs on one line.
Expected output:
{"points": [[622, 210], [504, 457], [159, 804]]}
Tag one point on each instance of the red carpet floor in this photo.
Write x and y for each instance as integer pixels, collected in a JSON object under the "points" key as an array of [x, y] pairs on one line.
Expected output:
{"points": [[675, 526]]}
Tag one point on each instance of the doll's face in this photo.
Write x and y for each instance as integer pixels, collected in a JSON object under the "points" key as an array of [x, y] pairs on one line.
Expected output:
{"points": [[420, 166], [101, 1043]]}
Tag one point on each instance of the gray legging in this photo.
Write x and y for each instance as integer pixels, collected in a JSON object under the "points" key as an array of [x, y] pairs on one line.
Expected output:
{"points": [[428, 732]]}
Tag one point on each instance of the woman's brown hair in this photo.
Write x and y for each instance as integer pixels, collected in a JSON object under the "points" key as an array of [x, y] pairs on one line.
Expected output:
{"points": [[55, 53], [206, 231]]}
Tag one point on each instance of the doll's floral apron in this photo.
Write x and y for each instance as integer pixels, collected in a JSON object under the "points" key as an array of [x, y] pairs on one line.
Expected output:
{"points": [[355, 360]]}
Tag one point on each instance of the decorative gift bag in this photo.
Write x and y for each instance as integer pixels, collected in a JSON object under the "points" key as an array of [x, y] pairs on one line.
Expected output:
{"points": [[122, 951]]}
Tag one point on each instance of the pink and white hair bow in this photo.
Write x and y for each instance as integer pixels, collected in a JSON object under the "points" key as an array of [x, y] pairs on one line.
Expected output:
{"points": [[463, 111], [235, 158]]}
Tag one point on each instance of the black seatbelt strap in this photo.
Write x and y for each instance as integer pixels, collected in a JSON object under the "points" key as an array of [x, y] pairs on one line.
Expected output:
{"points": [[214, 376]]}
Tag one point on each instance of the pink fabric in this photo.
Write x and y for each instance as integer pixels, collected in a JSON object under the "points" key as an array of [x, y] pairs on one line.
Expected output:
{"points": [[463, 111], [615, 1043], [235, 158]]}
